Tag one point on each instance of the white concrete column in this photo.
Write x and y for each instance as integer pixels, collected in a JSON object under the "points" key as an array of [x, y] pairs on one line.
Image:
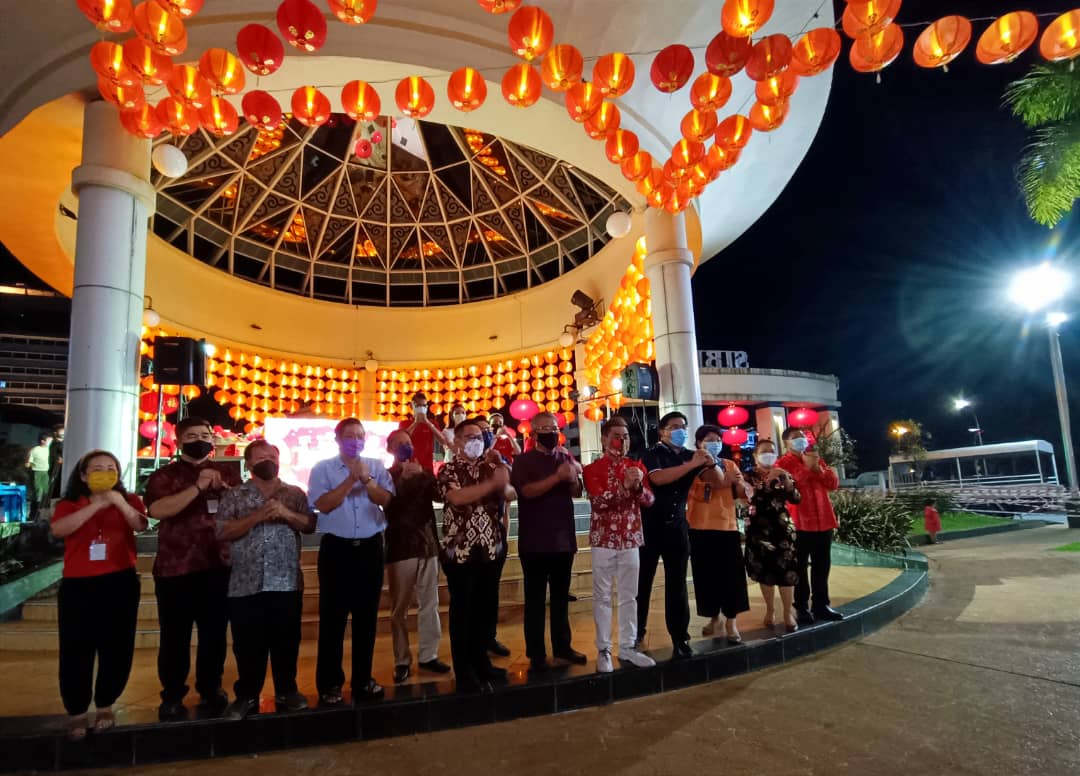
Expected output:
{"points": [[115, 203], [667, 265], [770, 423], [588, 430]]}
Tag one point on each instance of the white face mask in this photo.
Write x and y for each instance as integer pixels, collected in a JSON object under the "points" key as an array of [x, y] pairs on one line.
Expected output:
{"points": [[766, 459], [473, 449], [419, 410], [458, 417], [799, 444]]}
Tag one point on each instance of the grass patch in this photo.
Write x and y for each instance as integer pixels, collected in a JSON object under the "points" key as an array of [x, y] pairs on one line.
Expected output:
{"points": [[1073, 547], [959, 521]]}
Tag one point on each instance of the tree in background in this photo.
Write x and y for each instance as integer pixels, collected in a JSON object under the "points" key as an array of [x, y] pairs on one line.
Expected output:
{"points": [[909, 439], [836, 448], [1047, 100]]}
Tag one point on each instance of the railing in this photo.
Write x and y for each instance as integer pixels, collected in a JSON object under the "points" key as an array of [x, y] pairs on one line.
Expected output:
{"points": [[978, 481], [1010, 499]]}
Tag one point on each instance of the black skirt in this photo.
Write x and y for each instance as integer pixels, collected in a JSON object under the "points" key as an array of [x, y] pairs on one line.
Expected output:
{"points": [[719, 574]]}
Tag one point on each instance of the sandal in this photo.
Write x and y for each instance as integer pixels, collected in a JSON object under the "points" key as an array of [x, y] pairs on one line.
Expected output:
{"points": [[770, 620], [78, 727], [709, 628], [104, 720]]}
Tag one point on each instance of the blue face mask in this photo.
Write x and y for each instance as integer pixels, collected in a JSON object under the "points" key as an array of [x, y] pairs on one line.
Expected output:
{"points": [[489, 439], [800, 444], [678, 437], [714, 449]]}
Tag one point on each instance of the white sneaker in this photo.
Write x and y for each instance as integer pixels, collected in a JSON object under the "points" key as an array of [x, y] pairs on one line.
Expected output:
{"points": [[635, 658], [603, 662]]}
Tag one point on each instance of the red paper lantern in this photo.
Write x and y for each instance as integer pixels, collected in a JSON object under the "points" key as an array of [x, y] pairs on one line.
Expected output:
{"points": [[742, 18], [562, 67], [604, 121], [622, 144], [522, 85], [262, 110], [148, 403], [720, 158], [614, 74], [148, 428], [310, 106], [686, 153], [868, 17], [261, 51], [734, 437], [636, 167], [222, 69], [142, 121], [583, 100], [177, 117], [732, 415], [530, 32], [301, 24], [650, 182], [777, 89], [184, 8], [766, 118], [942, 42], [727, 55], [769, 57], [414, 96], [187, 84], [1007, 37], [364, 149], [499, 6], [734, 132], [802, 418], [219, 117], [108, 15], [353, 11], [121, 96], [698, 125], [162, 29], [109, 63], [672, 68], [815, 52], [1061, 40], [466, 89], [710, 92], [153, 68], [523, 409], [360, 101], [876, 52]]}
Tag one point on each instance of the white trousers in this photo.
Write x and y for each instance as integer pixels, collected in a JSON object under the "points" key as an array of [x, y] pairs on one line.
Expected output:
{"points": [[618, 568], [415, 578]]}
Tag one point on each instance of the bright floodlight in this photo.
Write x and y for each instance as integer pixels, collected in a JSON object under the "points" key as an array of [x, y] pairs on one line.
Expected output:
{"points": [[1055, 319], [616, 383], [1038, 287], [209, 349], [899, 431], [961, 404]]}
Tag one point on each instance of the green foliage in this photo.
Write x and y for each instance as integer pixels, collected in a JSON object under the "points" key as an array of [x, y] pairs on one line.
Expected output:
{"points": [[872, 522], [958, 521], [909, 439], [1071, 547], [838, 450], [914, 500], [1047, 100]]}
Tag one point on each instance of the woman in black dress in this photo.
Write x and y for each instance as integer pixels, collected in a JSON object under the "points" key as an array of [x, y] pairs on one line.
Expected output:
{"points": [[770, 535]]}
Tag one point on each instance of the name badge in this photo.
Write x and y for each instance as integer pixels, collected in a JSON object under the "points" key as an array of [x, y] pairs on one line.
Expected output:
{"points": [[97, 551], [212, 505]]}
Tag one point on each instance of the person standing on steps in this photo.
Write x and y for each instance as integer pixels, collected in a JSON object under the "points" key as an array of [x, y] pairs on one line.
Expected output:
{"points": [[191, 570], [350, 494], [423, 433], [492, 454], [815, 522]]}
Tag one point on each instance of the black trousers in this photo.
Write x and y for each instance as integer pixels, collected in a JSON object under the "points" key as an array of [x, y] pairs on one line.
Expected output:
{"points": [[493, 599], [97, 617], [544, 571], [265, 625], [350, 582], [672, 543], [472, 619], [813, 548], [199, 599]]}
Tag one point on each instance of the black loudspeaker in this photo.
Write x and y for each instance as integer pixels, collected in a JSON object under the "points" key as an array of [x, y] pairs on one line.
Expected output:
{"points": [[179, 361], [640, 381]]}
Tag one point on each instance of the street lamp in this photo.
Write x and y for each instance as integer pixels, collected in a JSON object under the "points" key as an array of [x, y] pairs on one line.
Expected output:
{"points": [[899, 431], [959, 405], [1037, 289]]}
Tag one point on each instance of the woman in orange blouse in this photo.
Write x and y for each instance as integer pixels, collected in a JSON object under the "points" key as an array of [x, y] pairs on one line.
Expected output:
{"points": [[99, 593]]}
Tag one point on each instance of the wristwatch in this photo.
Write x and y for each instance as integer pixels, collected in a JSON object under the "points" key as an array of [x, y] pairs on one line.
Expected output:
{"points": [[365, 482]]}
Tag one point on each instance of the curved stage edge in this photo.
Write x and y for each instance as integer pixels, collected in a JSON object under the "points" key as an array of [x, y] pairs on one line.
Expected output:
{"points": [[412, 709]]}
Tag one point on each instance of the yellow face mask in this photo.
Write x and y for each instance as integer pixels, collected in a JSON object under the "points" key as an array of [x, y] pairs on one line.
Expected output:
{"points": [[101, 481]]}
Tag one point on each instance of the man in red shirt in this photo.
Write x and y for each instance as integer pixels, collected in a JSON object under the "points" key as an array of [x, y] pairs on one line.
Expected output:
{"points": [[191, 570], [505, 445], [423, 433], [815, 522]]}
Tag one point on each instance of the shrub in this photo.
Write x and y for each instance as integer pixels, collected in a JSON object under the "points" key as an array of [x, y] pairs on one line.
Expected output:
{"points": [[871, 521], [915, 499]]}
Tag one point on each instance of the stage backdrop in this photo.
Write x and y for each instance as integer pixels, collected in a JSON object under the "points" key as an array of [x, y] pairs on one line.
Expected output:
{"points": [[305, 441]]}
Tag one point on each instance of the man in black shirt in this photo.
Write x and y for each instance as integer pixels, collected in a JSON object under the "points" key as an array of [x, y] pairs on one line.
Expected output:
{"points": [[671, 469]]}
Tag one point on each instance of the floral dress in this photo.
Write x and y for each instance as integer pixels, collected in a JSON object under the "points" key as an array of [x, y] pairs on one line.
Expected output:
{"points": [[770, 534]]}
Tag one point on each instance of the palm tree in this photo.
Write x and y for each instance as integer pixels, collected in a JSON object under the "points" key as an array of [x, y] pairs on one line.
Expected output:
{"points": [[1047, 100]]}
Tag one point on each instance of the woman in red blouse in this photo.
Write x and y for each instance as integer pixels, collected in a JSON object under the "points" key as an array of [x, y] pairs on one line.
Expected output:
{"points": [[99, 594]]}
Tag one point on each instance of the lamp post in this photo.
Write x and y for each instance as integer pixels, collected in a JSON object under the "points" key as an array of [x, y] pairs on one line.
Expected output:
{"points": [[1037, 289], [960, 404]]}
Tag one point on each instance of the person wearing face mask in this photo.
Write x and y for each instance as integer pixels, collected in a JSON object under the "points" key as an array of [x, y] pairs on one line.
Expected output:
{"points": [[716, 558], [262, 521], [457, 416], [473, 489], [191, 570], [350, 494], [771, 560], [547, 479], [423, 433], [98, 603], [412, 566], [671, 469], [504, 444], [617, 489], [815, 520]]}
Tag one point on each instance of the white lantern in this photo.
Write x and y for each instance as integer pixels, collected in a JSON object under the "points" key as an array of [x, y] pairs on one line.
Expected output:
{"points": [[169, 160], [566, 340], [619, 224], [371, 365], [151, 317]]}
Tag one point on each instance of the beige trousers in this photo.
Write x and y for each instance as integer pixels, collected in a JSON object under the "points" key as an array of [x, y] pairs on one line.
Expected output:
{"points": [[415, 579]]}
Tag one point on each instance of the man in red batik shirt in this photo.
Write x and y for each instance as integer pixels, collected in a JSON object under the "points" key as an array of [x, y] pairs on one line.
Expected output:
{"points": [[815, 522]]}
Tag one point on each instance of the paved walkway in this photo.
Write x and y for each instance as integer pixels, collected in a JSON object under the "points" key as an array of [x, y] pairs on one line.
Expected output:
{"points": [[983, 679]]}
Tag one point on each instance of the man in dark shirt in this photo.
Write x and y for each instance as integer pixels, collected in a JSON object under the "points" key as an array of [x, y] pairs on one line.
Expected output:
{"points": [[191, 571], [547, 479], [671, 469], [411, 563]]}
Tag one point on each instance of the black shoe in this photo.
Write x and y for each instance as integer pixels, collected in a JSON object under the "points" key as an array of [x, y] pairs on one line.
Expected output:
{"points": [[436, 666], [538, 665], [172, 711], [373, 691], [331, 698], [291, 702], [573, 656], [213, 705], [828, 614], [241, 708], [681, 650], [401, 673], [494, 675], [496, 647], [803, 617], [571, 598]]}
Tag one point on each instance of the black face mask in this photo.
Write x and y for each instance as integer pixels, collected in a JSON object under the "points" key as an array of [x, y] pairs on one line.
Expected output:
{"points": [[265, 470], [197, 450], [549, 439]]}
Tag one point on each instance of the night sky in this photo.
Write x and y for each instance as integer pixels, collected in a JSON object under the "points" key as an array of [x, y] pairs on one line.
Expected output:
{"points": [[889, 251]]}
